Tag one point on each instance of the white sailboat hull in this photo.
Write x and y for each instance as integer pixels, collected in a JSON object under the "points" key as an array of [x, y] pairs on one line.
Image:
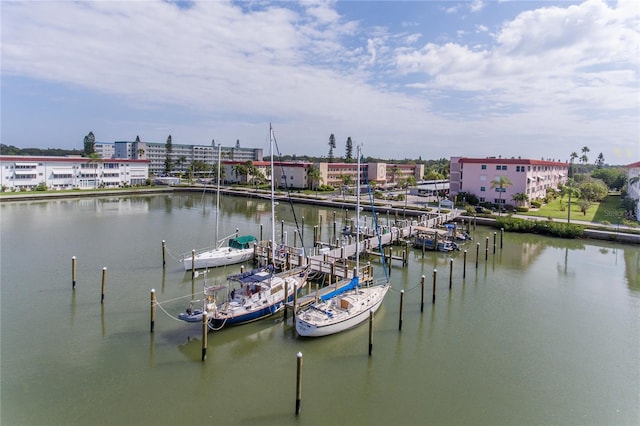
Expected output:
{"points": [[217, 257], [340, 313]]}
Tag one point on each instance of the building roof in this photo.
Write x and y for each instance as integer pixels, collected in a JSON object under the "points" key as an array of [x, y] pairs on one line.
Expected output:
{"points": [[494, 160], [58, 159], [633, 165]]}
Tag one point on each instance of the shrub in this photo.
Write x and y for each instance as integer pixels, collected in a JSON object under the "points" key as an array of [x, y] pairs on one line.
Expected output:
{"points": [[536, 204], [522, 209], [548, 227]]}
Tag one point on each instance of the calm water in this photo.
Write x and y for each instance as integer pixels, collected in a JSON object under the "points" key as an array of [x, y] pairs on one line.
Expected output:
{"points": [[544, 332]]}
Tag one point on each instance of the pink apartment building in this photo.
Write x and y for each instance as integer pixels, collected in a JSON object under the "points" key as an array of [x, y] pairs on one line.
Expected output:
{"points": [[531, 177]]}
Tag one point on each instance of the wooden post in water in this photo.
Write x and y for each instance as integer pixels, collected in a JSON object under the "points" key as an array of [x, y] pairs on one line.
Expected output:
{"points": [[405, 260], [370, 331], [73, 272], [282, 231], [474, 222], [237, 232], [464, 264], [435, 273], [193, 264], [104, 279], [501, 236], [302, 231], [298, 382], [494, 243], [422, 293], [401, 306], [204, 335], [164, 256], [286, 299], [450, 273], [153, 310], [486, 248], [260, 232], [477, 253]]}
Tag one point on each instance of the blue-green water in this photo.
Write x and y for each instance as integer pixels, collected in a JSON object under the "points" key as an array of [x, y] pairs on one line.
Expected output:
{"points": [[546, 331]]}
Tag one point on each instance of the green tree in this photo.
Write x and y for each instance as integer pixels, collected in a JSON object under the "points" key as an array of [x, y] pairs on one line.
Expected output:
{"points": [[572, 158], [593, 190], [314, 178], [500, 183], [600, 161], [168, 162], [570, 190], [348, 158], [332, 145], [520, 198], [89, 144]]}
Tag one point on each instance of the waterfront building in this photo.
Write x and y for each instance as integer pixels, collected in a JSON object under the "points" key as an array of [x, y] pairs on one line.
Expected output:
{"points": [[531, 177], [379, 175], [633, 185], [25, 173], [181, 156]]}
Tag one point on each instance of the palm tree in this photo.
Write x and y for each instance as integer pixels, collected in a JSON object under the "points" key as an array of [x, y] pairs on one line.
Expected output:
{"points": [[409, 181], [572, 158], [520, 198], [314, 178], [500, 183], [394, 171], [570, 190]]}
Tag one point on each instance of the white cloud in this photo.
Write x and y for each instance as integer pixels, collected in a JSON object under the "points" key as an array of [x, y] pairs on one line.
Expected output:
{"points": [[316, 72]]}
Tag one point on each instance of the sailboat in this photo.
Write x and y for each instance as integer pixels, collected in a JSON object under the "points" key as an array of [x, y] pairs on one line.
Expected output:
{"points": [[255, 294], [239, 248], [349, 308]]}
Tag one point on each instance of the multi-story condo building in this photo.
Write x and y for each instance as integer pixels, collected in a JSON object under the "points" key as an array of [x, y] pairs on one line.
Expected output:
{"points": [[530, 177], [378, 174], [19, 173], [181, 156]]}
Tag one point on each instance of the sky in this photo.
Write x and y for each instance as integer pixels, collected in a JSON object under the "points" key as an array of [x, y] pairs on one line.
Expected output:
{"points": [[402, 79]]}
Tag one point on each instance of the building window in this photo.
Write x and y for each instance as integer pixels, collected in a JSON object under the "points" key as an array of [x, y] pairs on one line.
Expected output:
{"points": [[481, 199], [483, 167], [482, 188]]}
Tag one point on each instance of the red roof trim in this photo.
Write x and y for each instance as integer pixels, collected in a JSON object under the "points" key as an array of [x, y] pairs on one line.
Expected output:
{"points": [[633, 165], [512, 161]]}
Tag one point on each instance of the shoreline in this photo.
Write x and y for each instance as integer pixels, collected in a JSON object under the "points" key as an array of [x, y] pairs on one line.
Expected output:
{"points": [[610, 233]]}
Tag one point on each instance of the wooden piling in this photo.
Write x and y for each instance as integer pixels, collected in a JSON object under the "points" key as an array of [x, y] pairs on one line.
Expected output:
{"points": [[464, 264], [486, 248], [153, 310], [164, 253], [450, 273], [260, 232], [282, 231], [73, 272], [477, 253], [298, 382], [286, 299], [193, 264], [501, 237], [204, 335], [370, 331], [435, 273], [494, 243], [401, 307], [422, 293], [104, 279]]}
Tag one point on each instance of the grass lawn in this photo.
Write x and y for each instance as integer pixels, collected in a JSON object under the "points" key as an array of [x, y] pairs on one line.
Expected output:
{"points": [[606, 210]]}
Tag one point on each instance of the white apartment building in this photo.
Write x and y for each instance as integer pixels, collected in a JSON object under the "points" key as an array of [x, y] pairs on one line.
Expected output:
{"points": [[25, 173], [181, 156]]}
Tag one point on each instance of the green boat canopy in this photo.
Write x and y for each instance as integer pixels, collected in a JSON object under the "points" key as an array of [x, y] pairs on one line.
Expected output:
{"points": [[242, 242]]}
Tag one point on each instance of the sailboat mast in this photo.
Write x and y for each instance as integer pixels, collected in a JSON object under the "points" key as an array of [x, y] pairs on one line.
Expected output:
{"points": [[358, 213], [273, 209], [218, 195]]}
